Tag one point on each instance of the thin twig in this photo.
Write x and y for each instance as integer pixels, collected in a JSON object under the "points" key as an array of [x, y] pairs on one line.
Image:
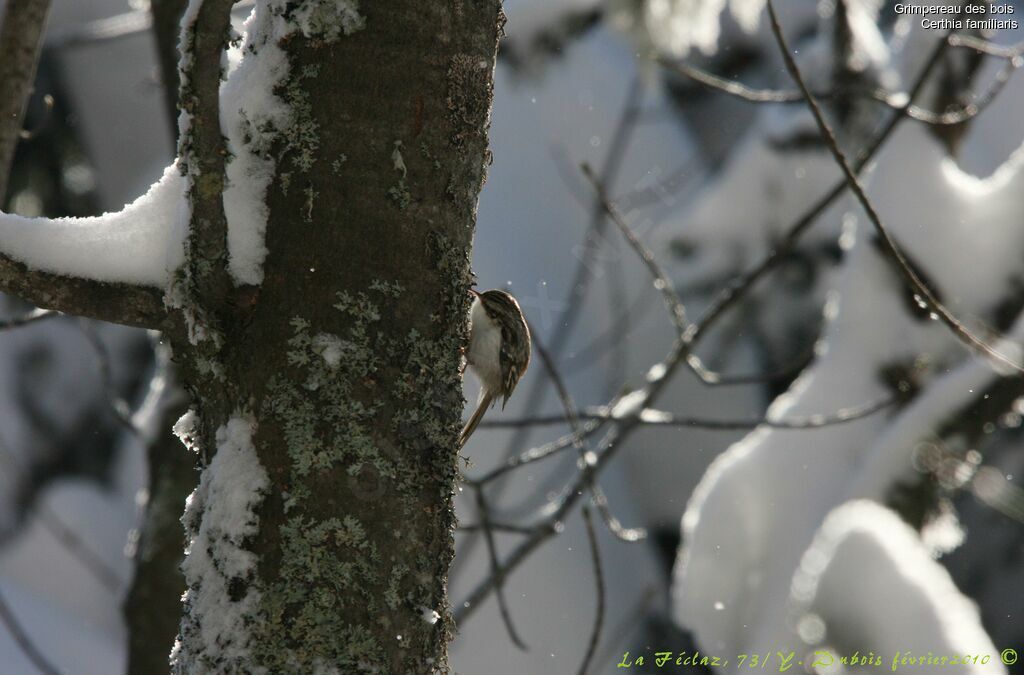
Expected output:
{"points": [[492, 554], [986, 47], [65, 535], [595, 557], [913, 282], [496, 527], [677, 312], [77, 547], [893, 100], [652, 417], [538, 453], [597, 495], [117, 404], [731, 294], [29, 317], [24, 642]]}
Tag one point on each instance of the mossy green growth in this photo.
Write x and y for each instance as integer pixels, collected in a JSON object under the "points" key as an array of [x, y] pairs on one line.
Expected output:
{"points": [[360, 564], [301, 139]]}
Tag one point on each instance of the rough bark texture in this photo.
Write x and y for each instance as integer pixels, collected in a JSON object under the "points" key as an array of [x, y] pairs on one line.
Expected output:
{"points": [[21, 37], [140, 306], [345, 361]]}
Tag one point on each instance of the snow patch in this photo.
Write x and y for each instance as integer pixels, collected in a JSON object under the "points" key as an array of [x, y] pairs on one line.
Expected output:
{"points": [[187, 428], [330, 347], [143, 243], [252, 117], [221, 514], [866, 558]]}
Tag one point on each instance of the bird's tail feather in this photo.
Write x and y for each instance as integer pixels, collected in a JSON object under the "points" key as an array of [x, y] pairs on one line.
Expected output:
{"points": [[478, 414]]}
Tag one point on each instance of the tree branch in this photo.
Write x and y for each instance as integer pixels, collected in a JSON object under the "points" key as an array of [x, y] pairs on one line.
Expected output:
{"points": [[595, 558], [21, 37], [24, 642], [492, 554], [127, 304], [204, 35], [732, 293], [20, 40], [911, 278], [893, 100]]}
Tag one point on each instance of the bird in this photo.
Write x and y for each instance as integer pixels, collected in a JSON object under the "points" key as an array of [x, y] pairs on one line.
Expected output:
{"points": [[498, 352]]}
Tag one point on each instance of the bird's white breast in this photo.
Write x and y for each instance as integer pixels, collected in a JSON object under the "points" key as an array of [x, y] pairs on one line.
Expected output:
{"points": [[484, 348]]}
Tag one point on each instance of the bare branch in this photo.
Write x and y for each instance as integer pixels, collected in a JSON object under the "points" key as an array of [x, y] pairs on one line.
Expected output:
{"points": [[21, 38], [24, 642], [893, 100], [732, 293], [127, 304], [496, 527], [653, 417], [987, 47], [165, 19], [595, 557], [539, 453], [661, 281], [66, 536], [28, 317], [597, 495], [119, 407], [913, 282], [492, 554], [204, 36], [77, 547]]}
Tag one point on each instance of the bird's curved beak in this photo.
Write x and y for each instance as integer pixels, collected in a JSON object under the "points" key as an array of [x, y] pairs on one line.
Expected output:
{"points": [[474, 293]]}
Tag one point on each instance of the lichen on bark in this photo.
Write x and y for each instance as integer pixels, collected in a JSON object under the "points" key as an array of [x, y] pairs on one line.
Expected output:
{"points": [[348, 352]]}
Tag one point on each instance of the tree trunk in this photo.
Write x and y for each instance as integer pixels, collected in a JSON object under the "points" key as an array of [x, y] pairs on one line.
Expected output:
{"points": [[328, 398], [321, 351]]}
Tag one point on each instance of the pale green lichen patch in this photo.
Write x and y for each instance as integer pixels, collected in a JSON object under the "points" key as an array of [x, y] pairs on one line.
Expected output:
{"points": [[302, 137], [469, 111], [328, 20], [334, 571]]}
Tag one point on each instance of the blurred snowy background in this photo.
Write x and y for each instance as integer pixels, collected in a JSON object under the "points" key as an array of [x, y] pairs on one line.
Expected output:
{"points": [[903, 530]]}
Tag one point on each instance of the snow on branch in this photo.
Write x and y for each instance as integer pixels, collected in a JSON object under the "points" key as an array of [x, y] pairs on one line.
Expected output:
{"points": [[865, 558], [119, 266], [112, 267]]}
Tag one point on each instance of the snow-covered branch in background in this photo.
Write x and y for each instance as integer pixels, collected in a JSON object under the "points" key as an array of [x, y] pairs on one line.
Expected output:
{"points": [[140, 244], [776, 537], [111, 267], [863, 541], [679, 26]]}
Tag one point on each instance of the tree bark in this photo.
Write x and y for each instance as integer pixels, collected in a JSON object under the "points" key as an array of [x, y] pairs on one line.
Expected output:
{"points": [[341, 370], [21, 37], [326, 397]]}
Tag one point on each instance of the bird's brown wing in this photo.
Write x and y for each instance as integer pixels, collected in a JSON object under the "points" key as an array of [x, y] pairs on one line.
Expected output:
{"points": [[514, 358]]}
